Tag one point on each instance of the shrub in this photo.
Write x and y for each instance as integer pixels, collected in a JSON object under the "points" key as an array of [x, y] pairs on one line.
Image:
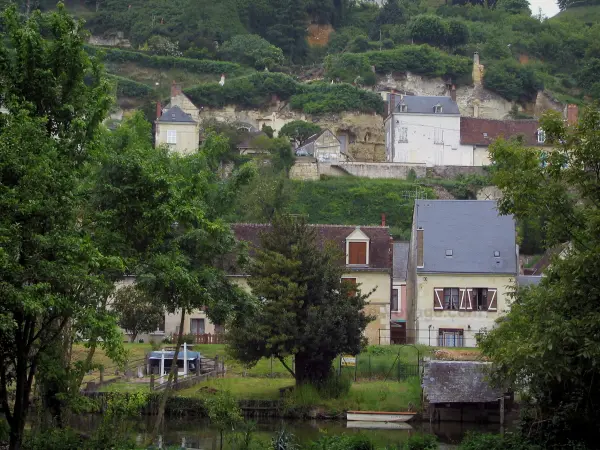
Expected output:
{"points": [[252, 50], [323, 98], [343, 442], [131, 88], [512, 80], [479, 441], [334, 387], [421, 442]]}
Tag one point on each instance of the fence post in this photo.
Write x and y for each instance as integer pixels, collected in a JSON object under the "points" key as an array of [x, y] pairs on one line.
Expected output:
{"points": [[152, 381]]}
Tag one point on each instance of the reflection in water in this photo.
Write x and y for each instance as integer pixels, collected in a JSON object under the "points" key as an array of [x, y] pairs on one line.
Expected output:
{"points": [[197, 433]]}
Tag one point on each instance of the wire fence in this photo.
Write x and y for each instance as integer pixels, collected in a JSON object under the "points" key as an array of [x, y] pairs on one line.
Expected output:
{"points": [[433, 337]]}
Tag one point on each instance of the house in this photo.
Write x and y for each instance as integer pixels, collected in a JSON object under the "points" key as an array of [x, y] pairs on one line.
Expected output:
{"points": [[425, 129], [460, 391], [324, 147], [250, 144], [178, 98], [398, 305], [463, 263], [476, 135], [178, 130]]}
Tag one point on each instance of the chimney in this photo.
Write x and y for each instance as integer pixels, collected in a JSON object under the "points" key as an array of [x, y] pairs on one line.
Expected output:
{"points": [[453, 93], [476, 58], [175, 89], [572, 114], [383, 219], [158, 110]]}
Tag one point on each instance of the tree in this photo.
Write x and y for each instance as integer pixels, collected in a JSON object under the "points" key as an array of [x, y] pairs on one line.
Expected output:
{"points": [[512, 80], [429, 29], [289, 30], [514, 6], [137, 313], [298, 131], [547, 347], [457, 34], [56, 96], [252, 50], [223, 412], [304, 308], [392, 13]]}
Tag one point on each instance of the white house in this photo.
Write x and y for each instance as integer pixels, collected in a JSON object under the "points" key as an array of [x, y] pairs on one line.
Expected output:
{"points": [[426, 130]]}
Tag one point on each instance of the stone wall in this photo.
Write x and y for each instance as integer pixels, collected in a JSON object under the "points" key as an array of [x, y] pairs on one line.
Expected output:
{"points": [[115, 40], [383, 170], [304, 170], [449, 172]]}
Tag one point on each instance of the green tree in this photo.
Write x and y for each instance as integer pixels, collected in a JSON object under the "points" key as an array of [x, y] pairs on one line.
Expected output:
{"points": [[304, 309], [547, 347], [289, 30], [429, 29], [57, 96], [457, 34], [136, 312], [298, 131], [514, 6], [512, 80], [359, 44], [252, 50], [223, 412]]}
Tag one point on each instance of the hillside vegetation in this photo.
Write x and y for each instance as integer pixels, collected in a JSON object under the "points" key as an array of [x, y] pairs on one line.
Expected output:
{"points": [[522, 53]]}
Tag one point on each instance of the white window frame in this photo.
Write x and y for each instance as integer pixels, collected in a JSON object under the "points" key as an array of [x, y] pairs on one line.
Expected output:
{"points": [[541, 136], [171, 136], [403, 107], [398, 289], [438, 109], [403, 135]]}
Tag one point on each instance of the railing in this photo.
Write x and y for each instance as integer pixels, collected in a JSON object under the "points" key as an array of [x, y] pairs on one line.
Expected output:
{"points": [[201, 338]]}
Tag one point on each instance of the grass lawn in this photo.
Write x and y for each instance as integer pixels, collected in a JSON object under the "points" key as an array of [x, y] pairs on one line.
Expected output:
{"points": [[242, 388]]}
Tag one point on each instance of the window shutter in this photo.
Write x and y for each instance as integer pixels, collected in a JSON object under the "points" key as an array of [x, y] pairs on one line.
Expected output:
{"points": [[470, 299], [492, 300], [358, 252], [463, 299], [438, 294]]}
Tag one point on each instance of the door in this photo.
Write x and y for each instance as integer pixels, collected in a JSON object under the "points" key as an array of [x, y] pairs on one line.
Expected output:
{"points": [[197, 326]]}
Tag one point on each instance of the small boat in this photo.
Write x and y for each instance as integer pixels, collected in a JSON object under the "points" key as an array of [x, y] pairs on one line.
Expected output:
{"points": [[379, 416], [379, 425]]}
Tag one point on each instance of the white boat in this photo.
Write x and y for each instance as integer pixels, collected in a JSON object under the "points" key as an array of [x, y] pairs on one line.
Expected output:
{"points": [[379, 425], [379, 416]]}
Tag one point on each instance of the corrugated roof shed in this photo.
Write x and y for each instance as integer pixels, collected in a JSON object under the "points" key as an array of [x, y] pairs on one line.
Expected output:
{"points": [[401, 260], [458, 382], [475, 131], [419, 104], [466, 236]]}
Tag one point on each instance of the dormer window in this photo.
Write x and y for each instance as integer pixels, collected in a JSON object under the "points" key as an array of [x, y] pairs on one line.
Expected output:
{"points": [[403, 107], [437, 109], [541, 136], [357, 248]]}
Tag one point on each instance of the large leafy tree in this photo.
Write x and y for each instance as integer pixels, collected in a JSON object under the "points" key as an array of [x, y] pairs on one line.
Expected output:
{"points": [[252, 50], [56, 97], [298, 131], [548, 345], [137, 312], [304, 309], [289, 30]]}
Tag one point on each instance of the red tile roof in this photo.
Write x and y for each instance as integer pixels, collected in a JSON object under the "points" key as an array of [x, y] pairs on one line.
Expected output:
{"points": [[380, 247], [474, 131]]}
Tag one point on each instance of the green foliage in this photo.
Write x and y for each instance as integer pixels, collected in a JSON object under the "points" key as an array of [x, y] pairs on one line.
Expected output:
{"points": [[514, 6], [136, 312], [299, 131], [421, 442], [479, 441], [131, 88], [223, 412], [512, 80], [284, 440], [551, 355], [117, 55], [429, 29], [348, 66], [324, 98], [252, 50], [343, 442], [306, 310]]}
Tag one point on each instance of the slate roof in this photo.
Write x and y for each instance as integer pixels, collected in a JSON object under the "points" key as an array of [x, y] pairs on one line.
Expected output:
{"points": [[401, 260], [458, 382], [380, 257], [175, 115], [475, 131], [418, 104], [314, 137], [472, 230], [191, 356], [529, 280]]}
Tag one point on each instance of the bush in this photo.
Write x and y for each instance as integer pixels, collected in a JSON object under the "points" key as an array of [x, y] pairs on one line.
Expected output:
{"points": [[323, 98], [343, 442], [116, 55], [131, 88], [334, 387], [478, 441], [252, 50], [512, 80], [421, 442]]}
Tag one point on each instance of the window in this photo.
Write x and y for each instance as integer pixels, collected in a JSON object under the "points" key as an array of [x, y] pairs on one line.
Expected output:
{"points": [[403, 135], [496, 254], [438, 136], [171, 137], [395, 299], [403, 107], [420, 261], [437, 109], [480, 299], [541, 136], [197, 326], [450, 338], [161, 325], [451, 298], [357, 252], [449, 252], [351, 282]]}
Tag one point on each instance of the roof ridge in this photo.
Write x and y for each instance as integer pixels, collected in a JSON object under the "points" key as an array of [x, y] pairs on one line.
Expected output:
{"points": [[328, 225]]}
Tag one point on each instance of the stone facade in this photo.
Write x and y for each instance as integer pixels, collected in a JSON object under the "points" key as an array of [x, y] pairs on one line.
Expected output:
{"points": [[304, 170]]}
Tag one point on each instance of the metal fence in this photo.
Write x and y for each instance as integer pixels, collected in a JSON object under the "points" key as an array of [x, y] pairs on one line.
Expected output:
{"points": [[433, 337]]}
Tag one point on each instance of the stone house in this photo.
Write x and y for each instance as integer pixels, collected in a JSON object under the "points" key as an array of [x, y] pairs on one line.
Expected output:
{"points": [[177, 130], [324, 147], [368, 262], [463, 262]]}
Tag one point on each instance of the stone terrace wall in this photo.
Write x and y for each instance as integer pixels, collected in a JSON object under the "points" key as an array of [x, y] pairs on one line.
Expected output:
{"points": [[383, 170]]}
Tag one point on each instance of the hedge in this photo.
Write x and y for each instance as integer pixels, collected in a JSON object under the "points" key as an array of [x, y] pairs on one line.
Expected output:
{"points": [[167, 62], [256, 91], [130, 88]]}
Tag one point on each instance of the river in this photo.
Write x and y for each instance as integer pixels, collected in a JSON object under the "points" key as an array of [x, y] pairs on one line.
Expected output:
{"points": [[198, 434]]}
